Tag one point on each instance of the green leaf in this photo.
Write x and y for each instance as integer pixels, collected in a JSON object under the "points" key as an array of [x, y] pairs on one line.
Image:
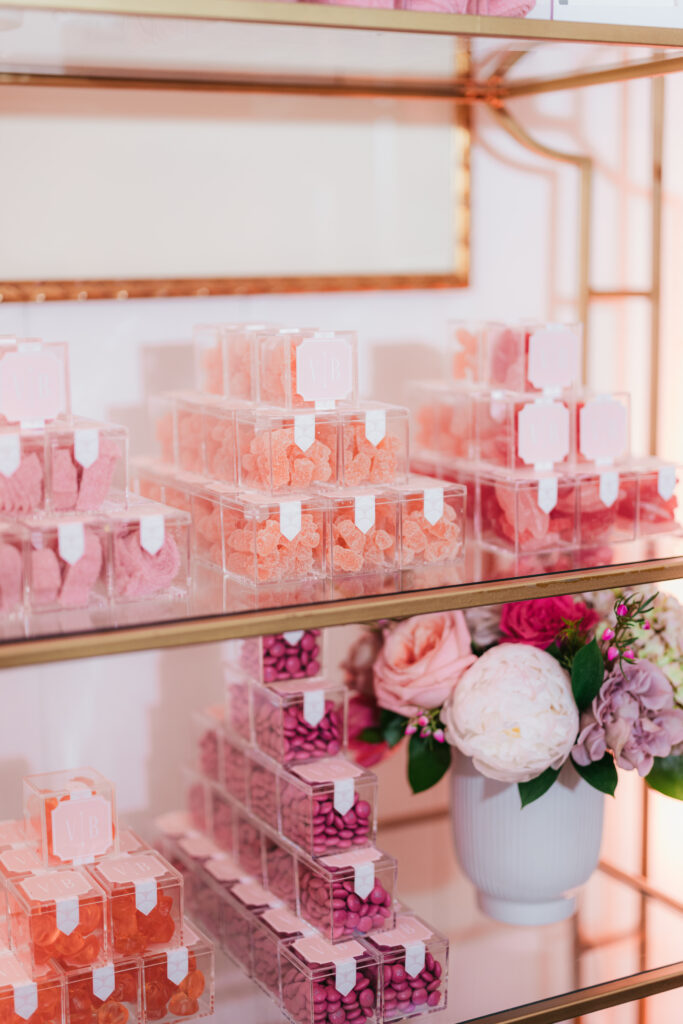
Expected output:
{"points": [[556, 653], [588, 672], [372, 735], [601, 775], [393, 727], [532, 790], [667, 776], [428, 761]]}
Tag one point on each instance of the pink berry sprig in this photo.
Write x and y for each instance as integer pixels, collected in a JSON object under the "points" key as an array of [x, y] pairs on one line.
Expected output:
{"points": [[617, 643], [427, 724]]}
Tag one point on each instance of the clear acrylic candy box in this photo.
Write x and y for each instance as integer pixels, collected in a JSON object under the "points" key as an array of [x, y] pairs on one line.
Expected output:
{"points": [[225, 356], [249, 846], [374, 445], [29, 997], [307, 368], [321, 982], [268, 930], [13, 541], [364, 531], [464, 350], [328, 805], [208, 727], [106, 992], [433, 520], [515, 431], [532, 357], [526, 512], [413, 967], [607, 506], [297, 721], [35, 386], [179, 982], [67, 562], [363, 884], [86, 463], [238, 713], [443, 420], [279, 866], [603, 428], [222, 821], [22, 471], [150, 551], [658, 495], [279, 452], [206, 890], [298, 654], [148, 478], [262, 783], [70, 816]]}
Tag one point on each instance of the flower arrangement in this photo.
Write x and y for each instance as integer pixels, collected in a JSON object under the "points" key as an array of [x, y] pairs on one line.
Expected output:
{"points": [[524, 688]]}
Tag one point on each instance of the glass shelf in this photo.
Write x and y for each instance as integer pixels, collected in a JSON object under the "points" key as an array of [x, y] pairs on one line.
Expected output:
{"points": [[619, 947], [220, 609]]}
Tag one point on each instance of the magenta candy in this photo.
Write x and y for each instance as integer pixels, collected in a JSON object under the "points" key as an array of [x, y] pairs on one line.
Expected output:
{"points": [[433, 999]]}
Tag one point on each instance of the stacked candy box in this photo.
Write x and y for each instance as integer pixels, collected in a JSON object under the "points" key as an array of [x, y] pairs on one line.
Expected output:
{"points": [[547, 465], [92, 918]]}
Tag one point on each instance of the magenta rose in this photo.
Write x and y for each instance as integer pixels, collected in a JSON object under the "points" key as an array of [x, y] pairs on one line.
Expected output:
{"points": [[364, 714], [421, 662], [539, 622]]}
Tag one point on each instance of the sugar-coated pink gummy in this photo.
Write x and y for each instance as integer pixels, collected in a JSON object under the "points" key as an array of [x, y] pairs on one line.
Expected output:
{"points": [[10, 576], [139, 574], [80, 578], [74, 487], [23, 490], [46, 578]]}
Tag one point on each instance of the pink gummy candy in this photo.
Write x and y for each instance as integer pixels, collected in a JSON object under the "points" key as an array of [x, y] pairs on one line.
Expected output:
{"points": [[80, 578], [75, 487], [139, 574], [46, 578], [23, 490], [10, 576]]}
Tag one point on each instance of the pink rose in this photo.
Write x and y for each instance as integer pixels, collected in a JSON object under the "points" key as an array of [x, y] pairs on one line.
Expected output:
{"points": [[421, 662], [364, 714], [539, 622]]}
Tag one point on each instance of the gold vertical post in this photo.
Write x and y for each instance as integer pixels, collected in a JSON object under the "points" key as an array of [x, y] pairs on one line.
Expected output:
{"points": [[658, 87]]}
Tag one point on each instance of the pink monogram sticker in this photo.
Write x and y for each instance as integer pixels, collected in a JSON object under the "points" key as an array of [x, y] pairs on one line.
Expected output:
{"points": [[554, 357], [352, 859], [253, 895], [82, 828], [603, 429], [224, 869], [25, 858], [284, 922], [12, 832], [136, 867], [324, 369], [32, 385], [56, 885], [316, 950], [543, 433], [327, 770], [407, 930]]}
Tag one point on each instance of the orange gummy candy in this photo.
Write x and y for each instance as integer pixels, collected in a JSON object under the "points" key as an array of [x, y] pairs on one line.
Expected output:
{"points": [[112, 1013], [183, 1005]]}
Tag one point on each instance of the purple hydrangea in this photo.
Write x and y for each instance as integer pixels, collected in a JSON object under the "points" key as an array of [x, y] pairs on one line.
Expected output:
{"points": [[634, 716]]}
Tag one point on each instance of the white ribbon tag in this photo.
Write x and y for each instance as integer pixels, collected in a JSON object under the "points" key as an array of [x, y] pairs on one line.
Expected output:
{"points": [[86, 447], [314, 707], [345, 976], [375, 425], [103, 981], [304, 430], [146, 895], [609, 488], [433, 504], [71, 541], [547, 494], [364, 512], [25, 999], [177, 964], [68, 915], [293, 637], [10, 453], [290, 519], [364, 879], [152, 533], [666, 482], [343, 795], [415, 958]]}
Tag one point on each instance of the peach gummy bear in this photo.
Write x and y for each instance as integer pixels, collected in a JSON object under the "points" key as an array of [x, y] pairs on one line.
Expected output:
{"points": [[190, 441], [260, 553], [367, 463], [164, 998], [119, 1007], [219, 439], [354, 551], [164, 436], [424, 542], [273, 459]]}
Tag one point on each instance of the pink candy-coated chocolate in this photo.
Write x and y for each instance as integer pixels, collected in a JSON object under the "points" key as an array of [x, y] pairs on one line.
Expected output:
{"points": [[236, 935], [367, 463], [248, 851], [23, 491], [337, 911], [278, 658], [208, 753], [283, 733], [74, 487], [54, 581], [355, 551], [313, 824], [139, 574], [222, 821], [11, 577], [234, 771], [263, 793], [309, 1001], [280, 871], [196, 805], [404, 994]]}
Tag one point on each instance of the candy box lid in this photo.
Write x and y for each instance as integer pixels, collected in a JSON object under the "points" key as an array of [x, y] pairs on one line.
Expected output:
{"points": [[409, 930], [144, 872], [23, 986], [198, 849], [130, 842], [176, 958], [102, 973], [60, 431], [13, 831], [334, 775], [64, 889], [260, 506], [359, 866], [420, 483], [19, 861], [268, 417], [292, 691], [254, 897], [283, 924], [144, 508], [223, 871], [34, 381], [604, 427], [81, 804], [316, 957], [173, 823]]}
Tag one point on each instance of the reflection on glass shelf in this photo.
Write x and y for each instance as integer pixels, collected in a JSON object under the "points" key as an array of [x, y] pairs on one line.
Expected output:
{"points": [[215, 595], [495, 967]]}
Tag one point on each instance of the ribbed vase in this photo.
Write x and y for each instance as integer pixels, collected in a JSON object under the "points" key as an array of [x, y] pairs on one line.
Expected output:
{"points": [[526, 863]]}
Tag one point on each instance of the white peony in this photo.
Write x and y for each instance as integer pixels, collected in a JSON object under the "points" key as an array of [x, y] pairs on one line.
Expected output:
{"points": [[513, 713]]}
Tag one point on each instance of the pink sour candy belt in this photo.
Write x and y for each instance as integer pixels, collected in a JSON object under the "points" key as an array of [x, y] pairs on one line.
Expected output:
{"points": [[220, 448], [314, 825], [366, 463], [537, 530], [349, 913], [286, 736], [274, 459], [22, 491], [281, 659], [405, 994], [55, 581], [328, 1006], [77, 488], [425, 542], [11, 569], [354, 551], [280, 872], [139, 574], [265, 555]]}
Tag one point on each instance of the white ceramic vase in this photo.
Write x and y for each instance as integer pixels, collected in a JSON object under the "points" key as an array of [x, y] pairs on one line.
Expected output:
{"points": [[525, 862]]}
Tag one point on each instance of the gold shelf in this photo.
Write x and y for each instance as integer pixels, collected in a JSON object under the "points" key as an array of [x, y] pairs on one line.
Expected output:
{"points": [[485, 579], [324, 16]]}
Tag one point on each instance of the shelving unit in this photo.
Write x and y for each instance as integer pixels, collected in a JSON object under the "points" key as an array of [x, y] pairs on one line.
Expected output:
{"points": [[483, 580]]}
